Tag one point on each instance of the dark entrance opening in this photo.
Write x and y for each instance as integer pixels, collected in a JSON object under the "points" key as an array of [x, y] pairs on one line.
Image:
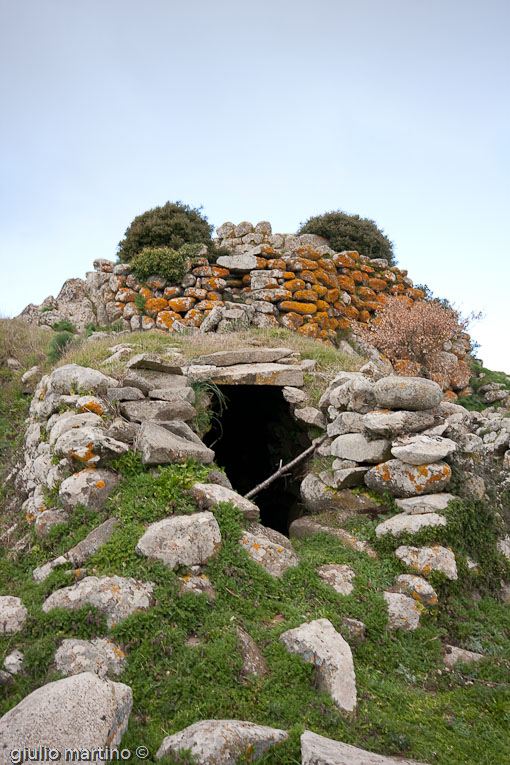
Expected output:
{"points": [[251, 437]]}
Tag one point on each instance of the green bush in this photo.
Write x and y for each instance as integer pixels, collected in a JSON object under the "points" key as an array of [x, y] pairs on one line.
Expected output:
{"points": [[64, 326], [58, 345], [172, 225], [164, 261], [350, 232]]}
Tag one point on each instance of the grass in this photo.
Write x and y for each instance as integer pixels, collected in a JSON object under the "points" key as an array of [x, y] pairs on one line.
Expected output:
{"points": [[408, 704]]}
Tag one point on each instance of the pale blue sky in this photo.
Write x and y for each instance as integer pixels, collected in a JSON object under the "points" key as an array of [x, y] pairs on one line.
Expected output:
{"points": [[398, 111]]}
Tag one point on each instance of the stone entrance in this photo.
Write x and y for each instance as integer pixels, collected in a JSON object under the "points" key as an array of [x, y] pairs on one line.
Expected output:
{"points": [[250, 437]]}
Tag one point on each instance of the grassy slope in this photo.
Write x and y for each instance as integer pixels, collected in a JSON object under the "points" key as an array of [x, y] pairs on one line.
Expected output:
{"points": [[408, 703]]}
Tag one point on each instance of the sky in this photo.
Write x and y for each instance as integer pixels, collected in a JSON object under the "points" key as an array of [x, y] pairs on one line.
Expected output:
{"points": [[276, 110]]}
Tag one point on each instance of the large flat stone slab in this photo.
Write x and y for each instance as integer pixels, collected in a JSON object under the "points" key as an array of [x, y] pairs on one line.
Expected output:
{"points": [[114, 596], [159, 446], [170, 365], [318, 642], [244, 356], [250, 374], [319, 750], [422, 449], [78, 712], [152, 379], [389, 424], [222, 742], [187, 540], [430, 503], [139, 411], [358, 448]]}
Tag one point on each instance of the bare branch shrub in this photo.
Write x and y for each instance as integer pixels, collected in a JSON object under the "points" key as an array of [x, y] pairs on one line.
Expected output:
{"points": [[416, 331]]}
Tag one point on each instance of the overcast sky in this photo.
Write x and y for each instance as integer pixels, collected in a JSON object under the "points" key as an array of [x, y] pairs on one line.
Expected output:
{"points": [[395, 110]]}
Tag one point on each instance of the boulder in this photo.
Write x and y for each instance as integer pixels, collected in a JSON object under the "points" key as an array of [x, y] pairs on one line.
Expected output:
{"points": [[345, 422], [430, 503], [253, 660], [356, 447], [349, 390], [72, 378], [404, 480], [223, 742], [418, 588], [13, 614], [100, 656], [410, 524], [114, 596], [159, 446], [415, 393], [318, 642], [120, 430], [244, 356], [390, 424], [452, 655], [210, 494], [79, 712], [310, 416], [13, 663], [420, 450], [294, 395], [69, 421], [427, 559], [338, 576], [242, 264], [89, 487], [403, 613], [138, 411], [319, 750], [187, 540], [90, 446], [270, 549]]}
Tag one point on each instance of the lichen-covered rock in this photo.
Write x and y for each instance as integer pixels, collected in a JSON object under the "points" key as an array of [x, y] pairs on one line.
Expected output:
{"points": [[138, 411], [78, 712], [100, 656], [319, 750], [152, 379], [403, 613], [89, 487], [422, 449], [114, 596], [390, 424], [188, 540], [72, 378], [13, 662], [318, 642], [345, 422], [410, 524], [430, 503], [338, 576], [404, 480], [70, 421], [428, 559], [90, 446], [210, 494], [159, 446], [452, 655], [244, 356], [356, 447], [270, 549], [13, 614], [223, 742], [418, 588], [350, 391], [415, 393], [45, 521]]}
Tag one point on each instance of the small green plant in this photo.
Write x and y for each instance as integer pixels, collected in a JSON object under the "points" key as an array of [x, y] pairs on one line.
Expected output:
{"points": [[58, 345], [140, 302], [47, 308], [64, 326], [204, 393], [164, 261]]}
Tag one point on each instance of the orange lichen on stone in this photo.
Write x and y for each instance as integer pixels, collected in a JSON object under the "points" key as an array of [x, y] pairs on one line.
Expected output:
{"points": [[367, 269], [308, 276], [196, 293], [291, 320], [350, 311], [194, 318], [327, 264], [397, 289], [450, 396], [278, 264], [309, 330], [306, 264], [145, 292], [346, 283], [326, 278], [166, 319], [214, 296], [294, 284], [292, 305], [415, 294], [378, 285], [322, 306], [155, 305], [309, 296], [320, 289], [156, 282], [100, 484], [171, 292], [358, 277], [92, 406], [181, 304], [213, 284], [109, 296], [288, 274], [148, 322], [331, 323], [366, 293], [331, 296], [208, 305], [345, 259], [125, 295], [407, 368], [344, 323]]}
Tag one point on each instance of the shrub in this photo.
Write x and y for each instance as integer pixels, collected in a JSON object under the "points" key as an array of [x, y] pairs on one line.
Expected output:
{"points": [[164, 261], [350, 232], [64, 326], [59, 343], [172, 225], [414, 331]]}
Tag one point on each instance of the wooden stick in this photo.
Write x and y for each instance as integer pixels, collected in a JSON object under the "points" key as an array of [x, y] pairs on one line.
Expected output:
{"points": [[289, 466]]}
